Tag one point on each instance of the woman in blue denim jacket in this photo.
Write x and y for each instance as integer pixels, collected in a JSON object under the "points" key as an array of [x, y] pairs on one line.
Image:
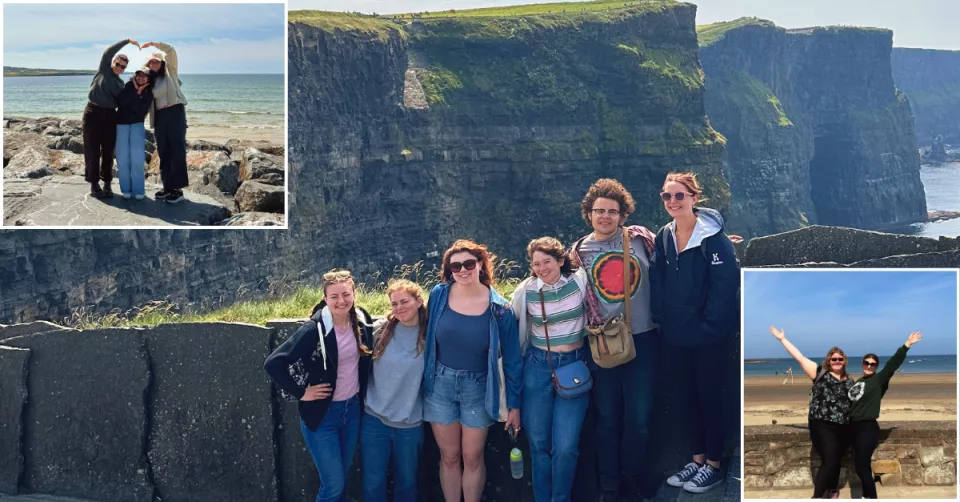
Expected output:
{"points": [[470, 326]]}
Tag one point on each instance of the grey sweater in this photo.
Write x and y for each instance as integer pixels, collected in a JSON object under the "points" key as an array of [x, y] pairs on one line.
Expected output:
{"points": [[106, 86], [393, 394]]}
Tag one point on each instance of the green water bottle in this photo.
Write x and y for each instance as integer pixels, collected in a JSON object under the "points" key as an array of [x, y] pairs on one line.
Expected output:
{"points": [[516, 463]]}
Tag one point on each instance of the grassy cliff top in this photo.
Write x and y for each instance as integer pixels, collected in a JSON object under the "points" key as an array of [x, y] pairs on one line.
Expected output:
{"points": [[707, 34], [331, 21], [559, 8]]}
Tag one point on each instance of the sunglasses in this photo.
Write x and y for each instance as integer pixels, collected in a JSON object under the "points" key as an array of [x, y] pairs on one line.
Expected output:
{"points": [[869, 364], [121, 66], [836, 359], [600, 212], [456, 266], [677, 195]]}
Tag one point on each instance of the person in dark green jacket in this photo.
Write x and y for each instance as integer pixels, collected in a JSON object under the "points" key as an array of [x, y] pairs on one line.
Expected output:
{"points": [[866, 394]]}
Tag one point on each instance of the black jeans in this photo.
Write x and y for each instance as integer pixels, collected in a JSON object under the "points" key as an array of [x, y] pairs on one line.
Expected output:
{"points": [[171, 136], [831, 441], [624, 399], [99, 127], [866, 436]]}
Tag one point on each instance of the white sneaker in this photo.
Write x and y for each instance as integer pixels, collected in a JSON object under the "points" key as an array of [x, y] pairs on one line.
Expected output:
{"points": [[139, 196], [706, 478], [125, 195]]}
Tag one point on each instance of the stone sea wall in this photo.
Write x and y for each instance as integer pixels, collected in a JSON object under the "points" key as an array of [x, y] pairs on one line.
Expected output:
{"points": [[910, 453], [185, 412]]}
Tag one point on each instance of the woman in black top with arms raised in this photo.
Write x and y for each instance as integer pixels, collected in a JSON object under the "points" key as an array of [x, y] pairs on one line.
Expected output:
{"points": [[829, 412], [866, 395]]}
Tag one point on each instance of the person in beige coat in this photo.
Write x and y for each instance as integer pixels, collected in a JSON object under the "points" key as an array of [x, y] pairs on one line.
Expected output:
{"points": [[168, 118]]}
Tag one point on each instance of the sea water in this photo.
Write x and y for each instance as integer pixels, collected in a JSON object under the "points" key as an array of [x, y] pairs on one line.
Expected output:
{"points": [[913, 364]]}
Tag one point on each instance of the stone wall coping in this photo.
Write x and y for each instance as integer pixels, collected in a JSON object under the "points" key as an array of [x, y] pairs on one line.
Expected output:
{"points": [[918, 429]]}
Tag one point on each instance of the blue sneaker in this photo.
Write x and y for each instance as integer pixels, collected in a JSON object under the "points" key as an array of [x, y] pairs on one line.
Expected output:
{"points": [[705, 479], [688, 472]]}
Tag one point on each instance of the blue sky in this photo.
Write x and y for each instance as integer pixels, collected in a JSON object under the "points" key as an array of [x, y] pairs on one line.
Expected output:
{"points": [[209, 38], [860, 312], [918, 23]]}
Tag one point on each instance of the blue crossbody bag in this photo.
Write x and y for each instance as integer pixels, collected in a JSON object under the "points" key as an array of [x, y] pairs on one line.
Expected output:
{"points": [[570, 381]]}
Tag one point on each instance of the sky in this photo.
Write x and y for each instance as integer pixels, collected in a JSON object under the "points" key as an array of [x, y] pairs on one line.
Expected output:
{"points": [[858, 311], [209, 38], [928, 24]]}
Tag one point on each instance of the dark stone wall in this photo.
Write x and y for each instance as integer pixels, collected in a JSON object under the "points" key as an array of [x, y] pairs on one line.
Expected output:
{"points": [[186, 413]]}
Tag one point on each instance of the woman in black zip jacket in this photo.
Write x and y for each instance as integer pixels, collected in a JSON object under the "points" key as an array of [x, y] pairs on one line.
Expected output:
{"points": [[866, 395], [325, 364], [694, 284]]}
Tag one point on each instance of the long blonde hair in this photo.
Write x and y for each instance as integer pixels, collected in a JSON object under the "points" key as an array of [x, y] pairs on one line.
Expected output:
{"points": [[340, 276], [414, 290]]}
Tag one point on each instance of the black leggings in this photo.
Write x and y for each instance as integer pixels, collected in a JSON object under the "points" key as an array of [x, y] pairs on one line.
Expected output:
{"points": [[171, 136], [866, 436], [831, 441]]}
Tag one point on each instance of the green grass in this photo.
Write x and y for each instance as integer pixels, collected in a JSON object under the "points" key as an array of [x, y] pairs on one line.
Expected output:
{"points": [[333, 21], [708, 34], [753, 97], [547, 8], [296, 304], [16, 71]]}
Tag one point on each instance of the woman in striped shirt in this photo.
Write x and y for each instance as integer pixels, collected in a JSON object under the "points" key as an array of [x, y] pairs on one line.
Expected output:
{"points": [[552, 423]]}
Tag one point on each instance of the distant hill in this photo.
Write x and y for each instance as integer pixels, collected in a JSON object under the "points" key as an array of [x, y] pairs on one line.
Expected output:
{"points": [[16, 71]]}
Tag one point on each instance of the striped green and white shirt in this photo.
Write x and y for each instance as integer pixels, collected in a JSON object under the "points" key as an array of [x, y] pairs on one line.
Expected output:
{"points": [[565, 313]]}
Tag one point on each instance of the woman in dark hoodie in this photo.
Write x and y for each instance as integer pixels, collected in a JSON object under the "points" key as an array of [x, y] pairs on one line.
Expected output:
{"points": [[132, 107], [325, 365], [866, 395], [694, 282]]}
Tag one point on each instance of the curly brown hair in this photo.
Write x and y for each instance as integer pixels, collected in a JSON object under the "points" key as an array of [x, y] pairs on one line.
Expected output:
{"points": [[479, 251], [552, 247], [607, 188]]}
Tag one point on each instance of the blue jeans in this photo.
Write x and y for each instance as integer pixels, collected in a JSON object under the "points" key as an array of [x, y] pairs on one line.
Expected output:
{"points": [[552, 424], [332, 447], [624, 399], [130, 157], [379, 444]]}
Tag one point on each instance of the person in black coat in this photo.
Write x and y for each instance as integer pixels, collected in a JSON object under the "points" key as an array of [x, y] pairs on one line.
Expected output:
{"points": [[133, 103], [695, 281], [325, 366]]}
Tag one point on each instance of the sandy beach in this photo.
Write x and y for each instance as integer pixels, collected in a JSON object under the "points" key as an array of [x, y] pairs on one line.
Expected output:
{"points": [[222, 134], [931, 396]]}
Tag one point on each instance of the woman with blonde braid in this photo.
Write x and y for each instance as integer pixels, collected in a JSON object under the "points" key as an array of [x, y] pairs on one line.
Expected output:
{"points": [[391, 428]]}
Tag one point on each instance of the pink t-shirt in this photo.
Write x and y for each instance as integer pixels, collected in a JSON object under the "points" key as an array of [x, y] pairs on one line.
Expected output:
{"points": [[348, 383]]}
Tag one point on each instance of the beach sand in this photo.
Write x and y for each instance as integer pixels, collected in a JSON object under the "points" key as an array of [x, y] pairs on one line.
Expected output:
{"points": [[222, 134], [930, 396]]}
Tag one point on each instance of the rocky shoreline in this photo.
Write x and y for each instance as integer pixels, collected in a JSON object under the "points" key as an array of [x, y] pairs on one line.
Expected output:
{"points": [[238, 183]]}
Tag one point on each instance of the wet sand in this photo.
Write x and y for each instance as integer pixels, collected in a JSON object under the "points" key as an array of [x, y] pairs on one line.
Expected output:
{"points": [[222, 134], [930, 396]]}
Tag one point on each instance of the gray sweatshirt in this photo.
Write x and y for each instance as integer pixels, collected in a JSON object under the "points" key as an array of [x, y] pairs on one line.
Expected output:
{"points": [[603, 263], [106, 85], [393, 393]]}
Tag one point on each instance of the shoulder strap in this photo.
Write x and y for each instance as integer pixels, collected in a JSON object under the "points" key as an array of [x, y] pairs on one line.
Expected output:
{"points": [[546, 331], [626, 275]]}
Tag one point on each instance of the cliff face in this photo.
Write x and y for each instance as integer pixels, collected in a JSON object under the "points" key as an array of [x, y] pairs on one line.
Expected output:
{"points": [[817, 132], [931, 80]]}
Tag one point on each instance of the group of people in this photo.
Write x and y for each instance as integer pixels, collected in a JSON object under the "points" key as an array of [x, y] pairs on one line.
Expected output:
{"points": [[467, 356], [844, 412], [113, 122]]}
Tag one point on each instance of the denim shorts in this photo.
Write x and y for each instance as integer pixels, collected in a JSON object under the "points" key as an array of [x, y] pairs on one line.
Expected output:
{"points": [[458, 396]]}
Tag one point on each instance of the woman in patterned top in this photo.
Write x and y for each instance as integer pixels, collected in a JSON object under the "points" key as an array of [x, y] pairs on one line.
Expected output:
{"points": [[829, 412], [552, 422]]}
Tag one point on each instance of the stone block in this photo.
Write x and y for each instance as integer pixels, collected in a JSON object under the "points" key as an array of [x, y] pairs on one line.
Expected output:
{"points": [[932, 455], [792, 477], [749, 469], [885, 455], [85, 422], [27, 328], [891, 479], [940, 475], [753, 481], [885, 467], [779, 445], [753, 462], [907, 451], [909, 461], [912, 474], [774, 460], [950, 451], [214, 444], [13, 398], [931, 442], [754, 446]]}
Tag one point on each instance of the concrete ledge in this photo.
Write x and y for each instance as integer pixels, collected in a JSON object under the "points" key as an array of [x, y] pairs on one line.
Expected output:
{"points": [[13, 398]]}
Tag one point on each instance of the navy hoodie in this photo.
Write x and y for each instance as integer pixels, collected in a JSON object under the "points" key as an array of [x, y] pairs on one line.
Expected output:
{"points": [[320, 360], [695, 294]]}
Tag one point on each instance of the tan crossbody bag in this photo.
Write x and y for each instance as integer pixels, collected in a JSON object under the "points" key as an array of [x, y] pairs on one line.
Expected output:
{"points": [[611, 343]]}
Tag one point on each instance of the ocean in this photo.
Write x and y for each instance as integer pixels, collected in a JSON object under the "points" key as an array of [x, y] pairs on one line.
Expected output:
{"points": [[228, 101], [943, 193], [913, 364]]}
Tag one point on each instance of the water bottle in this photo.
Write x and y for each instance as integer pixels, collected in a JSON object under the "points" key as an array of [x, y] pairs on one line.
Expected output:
{"points": [[516, 463]]}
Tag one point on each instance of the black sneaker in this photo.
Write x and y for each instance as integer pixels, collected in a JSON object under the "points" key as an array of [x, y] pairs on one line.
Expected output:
{"points": [[175, 196], [95, 190], [684, 475], [706, 478], [107, 191], [162, 194]]}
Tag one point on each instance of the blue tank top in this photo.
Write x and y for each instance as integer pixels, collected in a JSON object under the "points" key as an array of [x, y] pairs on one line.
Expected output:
{"points": [[463, 341]]}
